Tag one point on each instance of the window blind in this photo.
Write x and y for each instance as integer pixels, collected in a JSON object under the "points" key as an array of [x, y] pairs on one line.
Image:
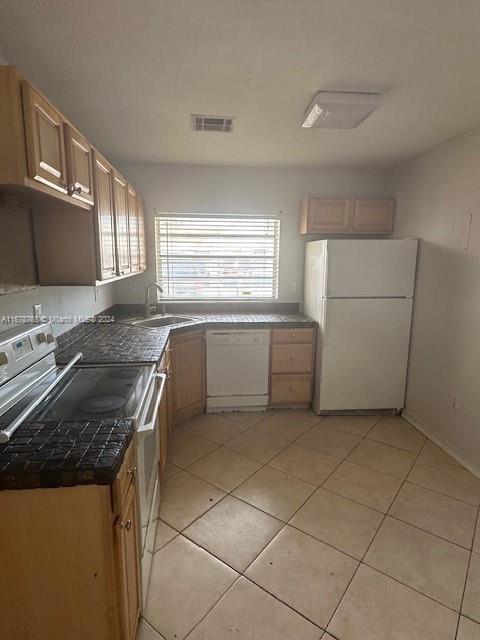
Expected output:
{"points": [[214, 257]]}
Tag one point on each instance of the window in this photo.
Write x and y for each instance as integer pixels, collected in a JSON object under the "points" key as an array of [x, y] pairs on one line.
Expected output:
{"points": [[217, 257]]}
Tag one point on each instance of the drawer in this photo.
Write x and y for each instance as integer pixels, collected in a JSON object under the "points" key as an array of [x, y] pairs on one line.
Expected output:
{"points": [[293, 336], [291, 389], [295, 358], [124, 478]]}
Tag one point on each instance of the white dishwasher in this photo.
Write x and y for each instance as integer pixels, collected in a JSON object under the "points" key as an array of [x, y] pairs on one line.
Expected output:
{"points": [[237, 369]]}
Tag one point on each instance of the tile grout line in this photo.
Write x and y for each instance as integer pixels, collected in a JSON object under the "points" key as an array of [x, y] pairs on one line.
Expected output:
{"points": [[316, 487], [373, 538], [466, 575], [359, 561]]}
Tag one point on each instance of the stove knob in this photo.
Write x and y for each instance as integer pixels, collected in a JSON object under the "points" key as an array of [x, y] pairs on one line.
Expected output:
{"points": [[50, 338], [3, 358], [41, 337]]}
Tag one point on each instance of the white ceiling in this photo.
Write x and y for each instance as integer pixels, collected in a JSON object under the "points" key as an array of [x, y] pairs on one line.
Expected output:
{"points": [[129, 74]]}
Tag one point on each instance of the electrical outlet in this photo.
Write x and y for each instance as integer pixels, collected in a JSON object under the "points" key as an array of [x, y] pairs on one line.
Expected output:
{"points": [[37, 311]]}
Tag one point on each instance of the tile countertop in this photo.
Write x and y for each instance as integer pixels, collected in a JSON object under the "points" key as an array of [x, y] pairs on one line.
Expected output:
{"points": [[121, 342], [50, 454], [91, 452]]}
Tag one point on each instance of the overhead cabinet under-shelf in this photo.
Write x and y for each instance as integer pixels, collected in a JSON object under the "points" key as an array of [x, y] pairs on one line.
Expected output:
{"points": [[90, 249], [346, 216], [88, 220]]}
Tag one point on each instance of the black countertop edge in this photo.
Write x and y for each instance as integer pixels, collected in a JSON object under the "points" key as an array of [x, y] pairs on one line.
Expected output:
{"points": [[109, 343], [66, 454]]}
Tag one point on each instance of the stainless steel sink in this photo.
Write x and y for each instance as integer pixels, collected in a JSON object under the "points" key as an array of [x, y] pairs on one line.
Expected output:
{"points": [[162, 321]]}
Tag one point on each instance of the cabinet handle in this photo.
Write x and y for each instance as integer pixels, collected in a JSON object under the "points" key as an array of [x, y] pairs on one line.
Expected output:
{"points": [[126, 525], [292, 358]]}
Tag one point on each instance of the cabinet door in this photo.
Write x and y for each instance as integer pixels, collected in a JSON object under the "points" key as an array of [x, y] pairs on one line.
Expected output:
{"points": [[321, 215], [79, 165], [141, 233], [133, 229], [373, 216], [127, 548], [188, 375], [44, 139], [104, 218], [122, 231]]}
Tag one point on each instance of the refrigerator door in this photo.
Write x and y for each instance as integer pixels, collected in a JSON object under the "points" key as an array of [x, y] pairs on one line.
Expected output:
{"points": [[370, 268], [362, 359]]}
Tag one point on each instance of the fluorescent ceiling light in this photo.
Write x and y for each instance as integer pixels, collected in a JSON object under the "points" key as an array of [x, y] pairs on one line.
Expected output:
{"points": [[340, 109]]}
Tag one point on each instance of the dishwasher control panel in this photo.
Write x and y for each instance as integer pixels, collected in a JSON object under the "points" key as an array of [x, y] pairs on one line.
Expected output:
{"points": [[232, 336]]}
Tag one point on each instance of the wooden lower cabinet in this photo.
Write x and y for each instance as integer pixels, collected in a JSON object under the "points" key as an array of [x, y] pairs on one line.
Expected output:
{"points": [[187, 389], [128, 573], [291, 389], [291, 367], [70, 564]]}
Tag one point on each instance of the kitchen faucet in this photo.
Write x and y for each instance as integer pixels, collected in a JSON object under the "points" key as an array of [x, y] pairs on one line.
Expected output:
{"points": [[148, 311]]}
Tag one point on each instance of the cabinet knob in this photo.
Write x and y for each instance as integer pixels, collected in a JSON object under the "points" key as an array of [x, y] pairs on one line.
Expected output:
{"points": [[74, 189], [291, 388], [126, 525], [293, 335]]}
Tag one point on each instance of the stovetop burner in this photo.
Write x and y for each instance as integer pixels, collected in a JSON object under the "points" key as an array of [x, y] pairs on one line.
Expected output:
{"points": [[101, 404]]}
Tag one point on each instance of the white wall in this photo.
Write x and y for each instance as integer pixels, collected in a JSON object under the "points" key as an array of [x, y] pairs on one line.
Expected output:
{"points": [[438, 200], [198, 189]]}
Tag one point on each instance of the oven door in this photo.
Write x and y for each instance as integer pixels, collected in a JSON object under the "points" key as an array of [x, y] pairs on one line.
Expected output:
{"points": [[148, 455]]}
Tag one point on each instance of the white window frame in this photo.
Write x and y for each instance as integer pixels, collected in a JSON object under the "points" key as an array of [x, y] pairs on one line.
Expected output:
{"points": [[165, 262]]}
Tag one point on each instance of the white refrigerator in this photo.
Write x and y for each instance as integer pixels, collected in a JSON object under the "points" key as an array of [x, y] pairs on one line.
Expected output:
{"points": [[361, 294]]}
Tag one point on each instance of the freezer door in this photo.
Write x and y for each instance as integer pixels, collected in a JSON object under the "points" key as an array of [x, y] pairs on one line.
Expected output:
{"points": [[371, 268], [362, 362]]}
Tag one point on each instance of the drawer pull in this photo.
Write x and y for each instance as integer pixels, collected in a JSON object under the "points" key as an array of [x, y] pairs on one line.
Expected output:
{"points": [[126, 525], [291, 388]]}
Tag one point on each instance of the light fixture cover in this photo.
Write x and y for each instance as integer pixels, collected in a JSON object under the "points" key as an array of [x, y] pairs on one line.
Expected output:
{"points": [[340, 109]]}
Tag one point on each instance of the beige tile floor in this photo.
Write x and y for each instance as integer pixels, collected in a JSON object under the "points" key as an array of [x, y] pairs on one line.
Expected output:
{"points": [[286, 526]]}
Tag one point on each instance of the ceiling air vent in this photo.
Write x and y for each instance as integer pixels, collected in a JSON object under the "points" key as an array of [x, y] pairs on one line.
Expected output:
{"points": [[212, 123]]}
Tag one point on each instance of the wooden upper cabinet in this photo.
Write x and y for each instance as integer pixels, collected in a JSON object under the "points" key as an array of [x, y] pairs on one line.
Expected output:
{"points": [[45, 142], [133, 229], [141, 233], [373, 216], [79, 165], [120, 199], [104, 218], [325, 215], [341, 216]]}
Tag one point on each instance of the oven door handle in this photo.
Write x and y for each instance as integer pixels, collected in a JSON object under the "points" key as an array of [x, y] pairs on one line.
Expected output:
{"points": [[149, 427]]}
